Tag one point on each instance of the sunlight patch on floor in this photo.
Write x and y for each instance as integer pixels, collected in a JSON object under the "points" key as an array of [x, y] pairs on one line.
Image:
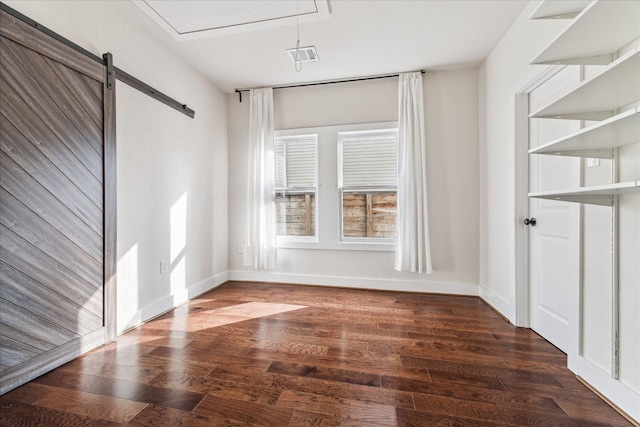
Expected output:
{"points": [[207, 319]]}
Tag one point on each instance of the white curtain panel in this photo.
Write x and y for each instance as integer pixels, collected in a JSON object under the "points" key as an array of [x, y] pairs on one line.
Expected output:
{"points": [[412, 247], [260, 246]]}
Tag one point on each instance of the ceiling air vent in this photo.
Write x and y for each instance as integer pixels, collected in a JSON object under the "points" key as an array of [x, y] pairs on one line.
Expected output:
{"points": [[307, 54]]}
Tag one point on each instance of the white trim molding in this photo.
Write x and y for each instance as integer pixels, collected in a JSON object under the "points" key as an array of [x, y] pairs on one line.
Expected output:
{"points": [[623, 397], [453, 288], [162, 305], [499, 304], [179, 20], [520, 261]]}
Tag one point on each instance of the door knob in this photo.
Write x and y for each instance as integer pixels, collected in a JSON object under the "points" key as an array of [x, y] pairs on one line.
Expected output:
{"points": [[530, 221]]}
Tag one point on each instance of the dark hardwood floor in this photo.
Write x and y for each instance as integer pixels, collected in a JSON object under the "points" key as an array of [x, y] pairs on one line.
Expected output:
{"points": [[286, 355]]}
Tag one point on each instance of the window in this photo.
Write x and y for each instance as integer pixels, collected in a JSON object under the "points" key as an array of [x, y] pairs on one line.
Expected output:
{"points": [[296, 170], [368, 184], [314, 187]]}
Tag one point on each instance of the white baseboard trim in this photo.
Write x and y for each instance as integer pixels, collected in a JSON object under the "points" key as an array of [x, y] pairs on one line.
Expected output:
{"points": [[619, 394], [500, 305], [454, 288], [206, 285], [167, 303]]}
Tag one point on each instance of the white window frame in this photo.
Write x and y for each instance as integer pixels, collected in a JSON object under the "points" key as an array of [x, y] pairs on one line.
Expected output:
{"points": [[281, 240], [358, 135], [328, 203]]}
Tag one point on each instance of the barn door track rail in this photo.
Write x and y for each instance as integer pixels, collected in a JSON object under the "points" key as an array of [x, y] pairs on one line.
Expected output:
{"points": [[107, 60]]}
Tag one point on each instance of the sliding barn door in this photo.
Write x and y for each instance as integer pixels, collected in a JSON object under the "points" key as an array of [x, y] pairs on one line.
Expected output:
{"points": [[52, 210]]}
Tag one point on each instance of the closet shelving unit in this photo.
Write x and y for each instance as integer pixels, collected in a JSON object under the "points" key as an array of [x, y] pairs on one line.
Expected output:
{"points": [[606, 34], [601, 96], [595, 35], [559, 9], [603, 195], [598, 140]]}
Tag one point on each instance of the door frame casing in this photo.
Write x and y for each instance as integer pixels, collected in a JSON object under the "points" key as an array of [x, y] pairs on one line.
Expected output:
{"points": [[521, 185]]}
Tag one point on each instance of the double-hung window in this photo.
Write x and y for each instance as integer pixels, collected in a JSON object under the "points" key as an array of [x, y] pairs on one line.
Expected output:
{"points": [[368, 185], [296, 170]]}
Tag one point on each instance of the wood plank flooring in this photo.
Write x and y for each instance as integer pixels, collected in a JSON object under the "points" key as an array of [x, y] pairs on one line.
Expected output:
{"points": [[255, 354]]}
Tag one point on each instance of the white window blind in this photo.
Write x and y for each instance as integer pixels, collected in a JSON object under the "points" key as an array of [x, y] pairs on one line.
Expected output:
{"points": [[296, 161], [368, 158]]}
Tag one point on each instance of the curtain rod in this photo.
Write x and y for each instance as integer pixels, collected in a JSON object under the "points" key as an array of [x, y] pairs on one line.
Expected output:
{"points": [[324, 82]]}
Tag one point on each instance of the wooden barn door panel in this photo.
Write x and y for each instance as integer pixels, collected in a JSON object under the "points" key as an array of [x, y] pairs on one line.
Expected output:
{"points": [[34, 81], [33, 195], [52, 215], [47, 164]]}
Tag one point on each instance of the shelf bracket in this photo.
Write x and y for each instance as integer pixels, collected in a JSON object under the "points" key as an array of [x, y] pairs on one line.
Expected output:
{"points": [[615, 276]]}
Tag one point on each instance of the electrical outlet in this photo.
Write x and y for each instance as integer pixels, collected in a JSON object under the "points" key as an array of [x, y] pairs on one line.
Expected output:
{"points": [[164, 266], [240, 249]]}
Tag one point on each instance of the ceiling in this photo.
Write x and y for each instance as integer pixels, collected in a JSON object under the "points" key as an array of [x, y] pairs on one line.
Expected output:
{"points": [[189, 20], [243, 44]]}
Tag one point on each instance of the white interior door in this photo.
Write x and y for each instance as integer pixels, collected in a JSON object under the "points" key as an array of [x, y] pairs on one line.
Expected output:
{"points": [[554, 240]]}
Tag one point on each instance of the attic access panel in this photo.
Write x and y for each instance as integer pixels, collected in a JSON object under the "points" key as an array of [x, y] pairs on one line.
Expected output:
{"points": [[189, 20]]}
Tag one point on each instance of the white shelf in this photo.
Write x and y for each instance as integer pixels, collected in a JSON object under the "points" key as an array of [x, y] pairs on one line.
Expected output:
{"points": [[559, 9], [597, 140], [596, 195], [597, 32], [597, 98]]}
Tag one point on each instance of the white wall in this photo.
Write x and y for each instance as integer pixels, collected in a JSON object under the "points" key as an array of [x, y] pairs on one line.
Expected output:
{"points": [[504, 73], [451, 121], [172, 170]]}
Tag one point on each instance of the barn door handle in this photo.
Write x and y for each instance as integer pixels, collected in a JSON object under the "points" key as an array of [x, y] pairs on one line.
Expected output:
{"points": [[530, 221]]}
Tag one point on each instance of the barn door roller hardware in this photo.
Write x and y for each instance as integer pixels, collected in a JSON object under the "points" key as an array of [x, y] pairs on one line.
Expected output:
{"points": [[108, 61]]}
